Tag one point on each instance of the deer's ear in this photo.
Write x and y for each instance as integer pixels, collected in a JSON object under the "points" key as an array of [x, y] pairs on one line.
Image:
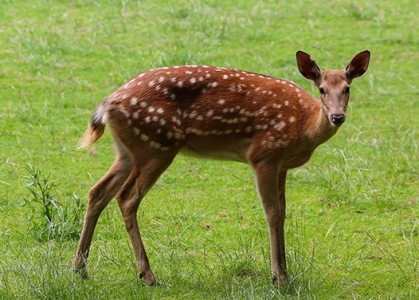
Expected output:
{"points": [[358, 65], [308, 67]]}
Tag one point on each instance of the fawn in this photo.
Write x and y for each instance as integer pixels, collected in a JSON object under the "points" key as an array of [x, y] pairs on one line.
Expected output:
{"points": [[269, 123]]}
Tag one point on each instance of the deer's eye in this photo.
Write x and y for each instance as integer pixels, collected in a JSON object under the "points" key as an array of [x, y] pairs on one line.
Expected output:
{"points": [[321, 90], [347, 90]]}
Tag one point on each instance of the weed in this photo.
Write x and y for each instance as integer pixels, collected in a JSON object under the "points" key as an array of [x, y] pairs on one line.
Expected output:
{"points": [[50, 220]]}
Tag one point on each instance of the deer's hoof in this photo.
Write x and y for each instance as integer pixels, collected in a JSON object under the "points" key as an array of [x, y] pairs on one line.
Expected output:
{"points": [[149, 278], [280, 280], [83, 273]]}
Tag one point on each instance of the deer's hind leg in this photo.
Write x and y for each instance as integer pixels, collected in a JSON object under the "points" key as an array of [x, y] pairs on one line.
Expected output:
{"points": [[99, 197], [147, 167]]}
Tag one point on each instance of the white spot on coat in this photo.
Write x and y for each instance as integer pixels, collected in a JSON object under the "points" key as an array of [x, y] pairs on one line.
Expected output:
{"points": [[144, 137], [280, 125], [124, 111], [155, 145], [133, 101]]}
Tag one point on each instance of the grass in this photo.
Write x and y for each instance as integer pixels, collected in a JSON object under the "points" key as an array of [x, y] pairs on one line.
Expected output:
{"points": [[352, 227]]}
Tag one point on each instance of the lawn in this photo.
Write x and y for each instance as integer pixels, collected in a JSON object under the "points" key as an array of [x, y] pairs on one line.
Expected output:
{"points": [[352, 228]]}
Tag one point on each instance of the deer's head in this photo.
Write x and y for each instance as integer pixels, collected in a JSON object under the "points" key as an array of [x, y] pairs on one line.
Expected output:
{"points": [[334, 85]]}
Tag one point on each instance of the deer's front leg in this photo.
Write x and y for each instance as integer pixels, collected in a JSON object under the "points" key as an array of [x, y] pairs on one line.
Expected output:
{"points": [[271, 188], [281, 239]]}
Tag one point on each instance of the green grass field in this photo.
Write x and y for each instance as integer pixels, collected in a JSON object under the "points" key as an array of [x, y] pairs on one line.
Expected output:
{"points": [[352, 228]]}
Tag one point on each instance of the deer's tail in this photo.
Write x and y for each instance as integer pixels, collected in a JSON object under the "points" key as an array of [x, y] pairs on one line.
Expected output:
{"points": [[96, 127]]}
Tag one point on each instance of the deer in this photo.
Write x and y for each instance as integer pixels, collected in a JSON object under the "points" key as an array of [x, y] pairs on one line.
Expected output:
{"points": [[219, 113]]}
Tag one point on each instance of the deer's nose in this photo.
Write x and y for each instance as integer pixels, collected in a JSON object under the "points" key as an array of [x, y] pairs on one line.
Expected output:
{"points": [[338, 119]]}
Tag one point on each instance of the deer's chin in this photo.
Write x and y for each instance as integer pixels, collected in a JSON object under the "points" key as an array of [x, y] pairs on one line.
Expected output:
{"points": [[335, 125]]}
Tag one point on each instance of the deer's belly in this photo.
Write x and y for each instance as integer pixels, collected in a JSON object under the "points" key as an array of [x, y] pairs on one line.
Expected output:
{"points": [[218, 149]]}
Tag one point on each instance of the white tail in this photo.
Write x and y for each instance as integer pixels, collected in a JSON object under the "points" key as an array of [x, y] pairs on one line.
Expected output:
{"points": [[271, 124]]}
